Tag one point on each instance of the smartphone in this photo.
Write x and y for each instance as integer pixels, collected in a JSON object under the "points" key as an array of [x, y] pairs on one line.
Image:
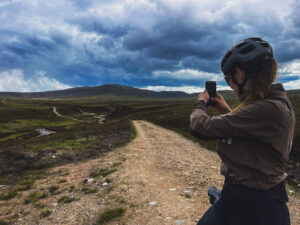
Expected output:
{"points": [[210, 86]]}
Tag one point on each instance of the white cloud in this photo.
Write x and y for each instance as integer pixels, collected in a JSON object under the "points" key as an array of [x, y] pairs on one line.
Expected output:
{"points": [[88, 27], [292, 85], [188, 74], [187, 89], [13, 80], [290, 68]]}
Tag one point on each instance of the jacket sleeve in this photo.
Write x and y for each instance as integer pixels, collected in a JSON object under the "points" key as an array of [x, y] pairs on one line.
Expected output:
{"points": [[258, 121]]}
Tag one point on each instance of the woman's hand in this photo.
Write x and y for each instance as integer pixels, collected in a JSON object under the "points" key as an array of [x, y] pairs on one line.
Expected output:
{"points": [[204, 96], [221, 104]]}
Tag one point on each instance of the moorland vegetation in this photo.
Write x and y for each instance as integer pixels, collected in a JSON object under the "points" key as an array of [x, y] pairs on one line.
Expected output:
{"points": [[79, 134]]}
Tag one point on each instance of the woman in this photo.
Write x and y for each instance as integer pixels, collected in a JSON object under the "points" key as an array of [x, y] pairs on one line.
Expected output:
{"points": [[255, 139]]}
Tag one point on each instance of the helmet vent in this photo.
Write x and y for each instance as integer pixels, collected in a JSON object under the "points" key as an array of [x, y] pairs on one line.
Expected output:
{"points": [[226, 57], [256, 39], [241, 45], [265, 44], [247, 49]]}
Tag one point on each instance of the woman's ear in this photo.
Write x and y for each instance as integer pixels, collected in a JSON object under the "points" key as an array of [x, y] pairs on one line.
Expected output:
{"points": [[239, 75]]}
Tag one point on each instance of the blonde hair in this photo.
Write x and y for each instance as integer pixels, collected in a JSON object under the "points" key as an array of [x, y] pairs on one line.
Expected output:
{"points": [[259, 84]]}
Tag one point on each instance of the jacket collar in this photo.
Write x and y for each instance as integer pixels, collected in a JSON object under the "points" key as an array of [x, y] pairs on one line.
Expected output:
{"points": [[277, 90]]}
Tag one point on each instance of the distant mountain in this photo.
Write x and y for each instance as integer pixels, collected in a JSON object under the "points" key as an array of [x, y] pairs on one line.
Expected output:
{"points": [[105, 90], [113, 90]]}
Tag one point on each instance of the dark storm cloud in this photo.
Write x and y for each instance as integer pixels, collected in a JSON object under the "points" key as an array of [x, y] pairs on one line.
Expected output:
{"points": [[83, 42]]}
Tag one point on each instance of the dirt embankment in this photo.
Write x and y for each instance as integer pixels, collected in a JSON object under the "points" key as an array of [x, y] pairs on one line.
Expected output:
{"points": [[159, 178]]}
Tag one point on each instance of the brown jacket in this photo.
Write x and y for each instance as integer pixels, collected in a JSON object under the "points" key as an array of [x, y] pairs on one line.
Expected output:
{"points": [[255, 141]]}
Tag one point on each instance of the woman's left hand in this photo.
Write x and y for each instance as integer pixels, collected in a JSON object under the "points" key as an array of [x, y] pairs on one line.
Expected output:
{"points": [[204, 96]]}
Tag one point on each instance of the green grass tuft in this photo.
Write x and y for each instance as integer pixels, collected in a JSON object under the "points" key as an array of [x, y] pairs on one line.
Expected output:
{"points": [[3, 222], [53, 189], [62, 181], [9, 195], [111, 214], [34, 197], [103, 173], [67, 199], [91, 191], [45, 212]]}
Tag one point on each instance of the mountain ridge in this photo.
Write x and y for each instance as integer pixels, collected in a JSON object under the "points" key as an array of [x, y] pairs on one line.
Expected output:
{"points": [[111, 90], [104, 90]]}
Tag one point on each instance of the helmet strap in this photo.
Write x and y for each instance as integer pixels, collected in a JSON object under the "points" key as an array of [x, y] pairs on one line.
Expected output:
{"points": [[240, 85]]}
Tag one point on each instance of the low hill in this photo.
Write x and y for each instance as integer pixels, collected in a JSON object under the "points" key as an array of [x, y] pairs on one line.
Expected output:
{"points": [[105, 90], [115, 90]]}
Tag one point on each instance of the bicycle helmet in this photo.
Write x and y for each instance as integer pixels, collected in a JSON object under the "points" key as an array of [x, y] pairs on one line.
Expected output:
{"points": [[248, 51], [245, 51]]}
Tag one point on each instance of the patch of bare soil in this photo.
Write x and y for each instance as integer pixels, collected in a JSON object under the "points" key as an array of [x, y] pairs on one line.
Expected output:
{"points": [[159, 178]]}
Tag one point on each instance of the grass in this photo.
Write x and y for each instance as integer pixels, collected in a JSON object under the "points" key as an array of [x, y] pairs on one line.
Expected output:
{"points": [[62, 181], [67, 199], [35, 196], [3, 222], [9, 195], [53, 189], [24, 183], [71, 144], [102, 173], [25, 179], [91, 191], [21, 183], [21, 117], [111, 214], [115, 164], [21, 149], [123, 201], [45, 212]]}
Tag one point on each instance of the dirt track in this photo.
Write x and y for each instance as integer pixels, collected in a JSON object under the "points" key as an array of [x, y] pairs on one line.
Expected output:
{"points": [[59, 115], [162, 165], [161, 178]]}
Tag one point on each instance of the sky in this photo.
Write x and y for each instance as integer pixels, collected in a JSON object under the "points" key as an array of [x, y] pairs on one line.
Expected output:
{"points": [[173, 45]]}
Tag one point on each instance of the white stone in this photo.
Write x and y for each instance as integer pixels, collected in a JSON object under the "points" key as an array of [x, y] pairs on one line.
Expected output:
{"points": [[104, 184], [152, 203], [187, 192], [172, 189], [90, 180], [178, 222]]}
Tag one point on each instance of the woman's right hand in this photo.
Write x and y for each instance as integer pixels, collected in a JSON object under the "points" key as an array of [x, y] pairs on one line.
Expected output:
{"points": [[221, 104]]}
